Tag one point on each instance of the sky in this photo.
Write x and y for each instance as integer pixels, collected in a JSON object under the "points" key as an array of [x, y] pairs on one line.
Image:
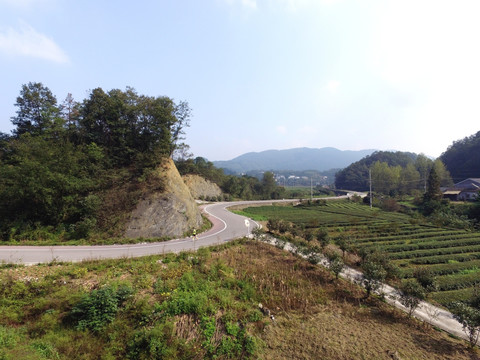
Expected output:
{"points": [[262, 74]]}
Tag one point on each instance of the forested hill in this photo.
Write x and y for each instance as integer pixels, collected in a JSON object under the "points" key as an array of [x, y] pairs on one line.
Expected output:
{"points": [[462, 158], [71, 168], [293, 159], [391, 173]]}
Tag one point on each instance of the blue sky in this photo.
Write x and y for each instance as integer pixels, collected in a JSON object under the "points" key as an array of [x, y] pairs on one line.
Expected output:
{"points": [[262, 74]]}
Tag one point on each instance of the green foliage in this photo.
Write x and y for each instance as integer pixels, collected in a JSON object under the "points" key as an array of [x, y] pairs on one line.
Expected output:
{"points": [[152, 343], [469, 317], [61, 159], [462, 159], [37, 110], [322, 237], [425, 278], [335, 263], [8, 338], [374, 274], [99, 308], [411, 293], [356, 176]]}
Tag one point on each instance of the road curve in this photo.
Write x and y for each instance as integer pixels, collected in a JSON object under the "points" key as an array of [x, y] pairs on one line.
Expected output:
{"points": [[226, 226]]}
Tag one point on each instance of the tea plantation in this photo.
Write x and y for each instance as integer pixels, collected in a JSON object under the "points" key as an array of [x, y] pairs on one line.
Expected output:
{"points": [[452, 255]]}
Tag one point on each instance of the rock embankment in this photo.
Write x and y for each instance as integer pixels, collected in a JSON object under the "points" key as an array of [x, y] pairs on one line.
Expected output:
{"points": [[201, 188], [167, 214]]}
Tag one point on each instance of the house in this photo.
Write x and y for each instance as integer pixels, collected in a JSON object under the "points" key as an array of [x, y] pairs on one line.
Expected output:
{"points": [[467, 189]]}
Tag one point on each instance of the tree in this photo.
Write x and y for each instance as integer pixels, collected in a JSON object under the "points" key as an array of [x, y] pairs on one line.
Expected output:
{"points": [[182, 114], [133, 128], [411, 294], [423, 166], [335, 263], [469, 317], [409, 179], [344, 242], [433, 187], [37, 110], [46, 181], [323, 238], [268, 185], [462, 158], [374, 275]]}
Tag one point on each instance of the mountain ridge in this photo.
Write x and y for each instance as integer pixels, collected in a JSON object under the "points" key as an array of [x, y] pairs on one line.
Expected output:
{"points": [[295, 159]]}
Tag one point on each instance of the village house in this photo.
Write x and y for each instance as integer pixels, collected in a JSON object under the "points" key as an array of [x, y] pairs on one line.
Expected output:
{"points": [[465, 190]]}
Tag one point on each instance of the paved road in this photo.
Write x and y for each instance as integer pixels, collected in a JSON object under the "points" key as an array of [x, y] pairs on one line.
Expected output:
{"points": [[226, 226]]}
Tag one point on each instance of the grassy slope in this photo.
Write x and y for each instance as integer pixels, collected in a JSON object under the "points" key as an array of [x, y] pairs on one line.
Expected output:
{"points": [[316, 316]]}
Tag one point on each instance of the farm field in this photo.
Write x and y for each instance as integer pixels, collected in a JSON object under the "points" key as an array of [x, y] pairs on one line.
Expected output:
{"points": [[453, 255]]}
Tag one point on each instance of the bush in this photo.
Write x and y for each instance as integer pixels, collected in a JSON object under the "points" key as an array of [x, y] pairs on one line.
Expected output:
{"points": [[98, 308], [152, 343]]}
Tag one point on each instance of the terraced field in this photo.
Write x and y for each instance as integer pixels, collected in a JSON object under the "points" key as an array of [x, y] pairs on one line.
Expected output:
{"points": [[453, 255]]}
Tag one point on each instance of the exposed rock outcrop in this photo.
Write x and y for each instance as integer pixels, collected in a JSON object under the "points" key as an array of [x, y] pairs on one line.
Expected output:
{"points": [[170, 213], [201, 188]]}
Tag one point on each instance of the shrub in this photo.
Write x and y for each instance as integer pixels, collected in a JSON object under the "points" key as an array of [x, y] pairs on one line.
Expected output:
{"points": [[98, 308], [152, 343]]}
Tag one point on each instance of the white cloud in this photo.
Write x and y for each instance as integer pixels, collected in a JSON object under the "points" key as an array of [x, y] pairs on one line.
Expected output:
{"points": [[28, 42]]}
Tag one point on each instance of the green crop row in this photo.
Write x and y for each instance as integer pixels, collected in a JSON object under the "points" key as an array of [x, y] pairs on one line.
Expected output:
{"points": [[457, 281], [446, 269], [419, 237], [443, 259], [448, 297], [434, 244], [435, 252]]}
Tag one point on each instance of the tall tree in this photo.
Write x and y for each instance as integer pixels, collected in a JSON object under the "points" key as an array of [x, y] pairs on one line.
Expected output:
{"points": [[433, 186], [36, 110]]}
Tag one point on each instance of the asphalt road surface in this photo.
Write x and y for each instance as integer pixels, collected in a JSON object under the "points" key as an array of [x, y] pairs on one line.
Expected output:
{"points": [[226, 226]]}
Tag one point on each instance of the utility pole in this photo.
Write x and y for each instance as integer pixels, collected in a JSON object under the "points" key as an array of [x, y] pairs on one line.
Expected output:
{"points": [[311, 189], [370, 181]]}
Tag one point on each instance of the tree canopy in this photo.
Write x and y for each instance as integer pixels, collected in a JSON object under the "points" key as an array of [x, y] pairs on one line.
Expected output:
{"points": [[60, 157], [391, 173], [462, 158]]}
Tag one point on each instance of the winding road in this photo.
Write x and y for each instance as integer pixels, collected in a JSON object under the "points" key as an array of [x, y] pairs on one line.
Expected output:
{"points": [[226, 226]]}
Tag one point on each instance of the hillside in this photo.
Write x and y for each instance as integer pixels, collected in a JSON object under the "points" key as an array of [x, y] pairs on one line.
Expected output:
{"points": [[297, 159], [462, 158], [204, 305], [169, 213]]}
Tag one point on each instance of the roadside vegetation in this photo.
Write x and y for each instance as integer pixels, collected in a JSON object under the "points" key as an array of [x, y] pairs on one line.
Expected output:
{"points": [[204, 305]]}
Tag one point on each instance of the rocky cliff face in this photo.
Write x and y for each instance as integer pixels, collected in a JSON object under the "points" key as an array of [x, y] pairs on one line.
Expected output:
{"points": [[170, 213], [201, 188]]}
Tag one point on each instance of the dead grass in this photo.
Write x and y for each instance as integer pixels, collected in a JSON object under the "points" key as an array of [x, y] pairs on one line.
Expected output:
{"points": [[319, 318], [316, 316]]}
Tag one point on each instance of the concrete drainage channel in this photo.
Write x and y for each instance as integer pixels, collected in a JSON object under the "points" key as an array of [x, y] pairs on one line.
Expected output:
{"points": [[426, 312]]}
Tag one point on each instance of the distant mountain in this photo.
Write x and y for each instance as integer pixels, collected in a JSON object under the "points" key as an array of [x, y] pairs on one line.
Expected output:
{"points": [[297, 159]]}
